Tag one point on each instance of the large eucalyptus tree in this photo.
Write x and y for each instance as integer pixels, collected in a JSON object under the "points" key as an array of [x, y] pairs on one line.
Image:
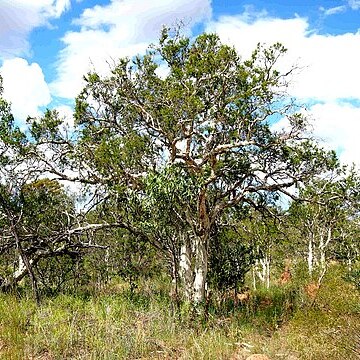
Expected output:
{"points": [[185, 133]]}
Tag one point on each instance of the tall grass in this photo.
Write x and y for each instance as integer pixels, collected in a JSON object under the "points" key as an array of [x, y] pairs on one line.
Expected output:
{"points": [[118, 324]]}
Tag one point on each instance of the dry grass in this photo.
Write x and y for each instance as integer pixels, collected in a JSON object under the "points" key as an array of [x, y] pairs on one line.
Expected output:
{"points": [[283, 323]]}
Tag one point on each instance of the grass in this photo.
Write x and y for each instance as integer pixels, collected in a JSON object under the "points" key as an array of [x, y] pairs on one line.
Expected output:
{"points": [[114, 324]]}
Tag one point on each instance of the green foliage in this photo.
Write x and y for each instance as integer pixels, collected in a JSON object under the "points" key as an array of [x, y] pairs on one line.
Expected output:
{"points": [[46, 207], [353, 277], [35, 222], [12, 138], [230, 259], [47, 128], [61, 274], [327, 218]]}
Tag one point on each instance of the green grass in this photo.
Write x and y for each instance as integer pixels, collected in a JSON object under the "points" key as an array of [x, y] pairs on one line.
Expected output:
{"points": [[114, 324]]}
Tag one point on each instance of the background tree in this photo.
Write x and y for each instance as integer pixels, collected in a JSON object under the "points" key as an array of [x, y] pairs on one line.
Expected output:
{"points": [[327, 215], [38, 218]]}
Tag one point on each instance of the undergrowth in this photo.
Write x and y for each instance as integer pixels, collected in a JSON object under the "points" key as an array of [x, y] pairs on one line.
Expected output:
{"points": [[116, 323]]}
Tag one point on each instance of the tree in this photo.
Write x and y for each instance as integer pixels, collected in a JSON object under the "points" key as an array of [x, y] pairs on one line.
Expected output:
{"points": [[39, 222], [194, 142], [326, 216], [38, 219]]}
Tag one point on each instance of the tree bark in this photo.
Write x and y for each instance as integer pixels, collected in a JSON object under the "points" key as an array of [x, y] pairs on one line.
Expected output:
{"points": [[201, 268], [264, 274], [19, 274], [26, 262], [254, 276], [268, 260], [185, 270], [310, 258]]}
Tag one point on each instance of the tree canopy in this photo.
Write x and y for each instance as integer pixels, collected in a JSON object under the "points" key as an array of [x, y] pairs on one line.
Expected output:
{"points": [[176, 143]]}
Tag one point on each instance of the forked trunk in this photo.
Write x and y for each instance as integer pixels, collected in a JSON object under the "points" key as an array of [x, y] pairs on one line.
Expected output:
{"points": [[263, 272]]}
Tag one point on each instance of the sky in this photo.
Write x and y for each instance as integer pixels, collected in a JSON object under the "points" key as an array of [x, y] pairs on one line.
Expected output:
{"points": [[46, 46]]}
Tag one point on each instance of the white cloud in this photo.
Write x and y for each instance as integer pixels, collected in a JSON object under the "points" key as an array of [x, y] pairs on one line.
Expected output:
{"points": [[354, 4], [330, 62], [338, 125], [136, 21], [122, 28], [86, 51], [330, 72], [19, 17], [333, 10], [66, 113], [24, 87]]}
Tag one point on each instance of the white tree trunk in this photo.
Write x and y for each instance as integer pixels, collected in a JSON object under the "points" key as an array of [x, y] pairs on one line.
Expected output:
{"points": [[185, 271], [19, 273], [259, 272], [310, 255], [200, 271], [193, 267], [21, 269], [264, 274], [267, 263], [322, 250]]}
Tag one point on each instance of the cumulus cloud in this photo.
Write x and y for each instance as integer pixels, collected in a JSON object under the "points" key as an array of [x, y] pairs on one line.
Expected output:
{"points": [[122, 28], [136, 21], [19, 17], [24, 87], [329, 62], [337, 124], [329, 72]]}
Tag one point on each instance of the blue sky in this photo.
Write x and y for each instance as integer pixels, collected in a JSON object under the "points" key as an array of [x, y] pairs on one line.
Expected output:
{"points": [[47, 45]]}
